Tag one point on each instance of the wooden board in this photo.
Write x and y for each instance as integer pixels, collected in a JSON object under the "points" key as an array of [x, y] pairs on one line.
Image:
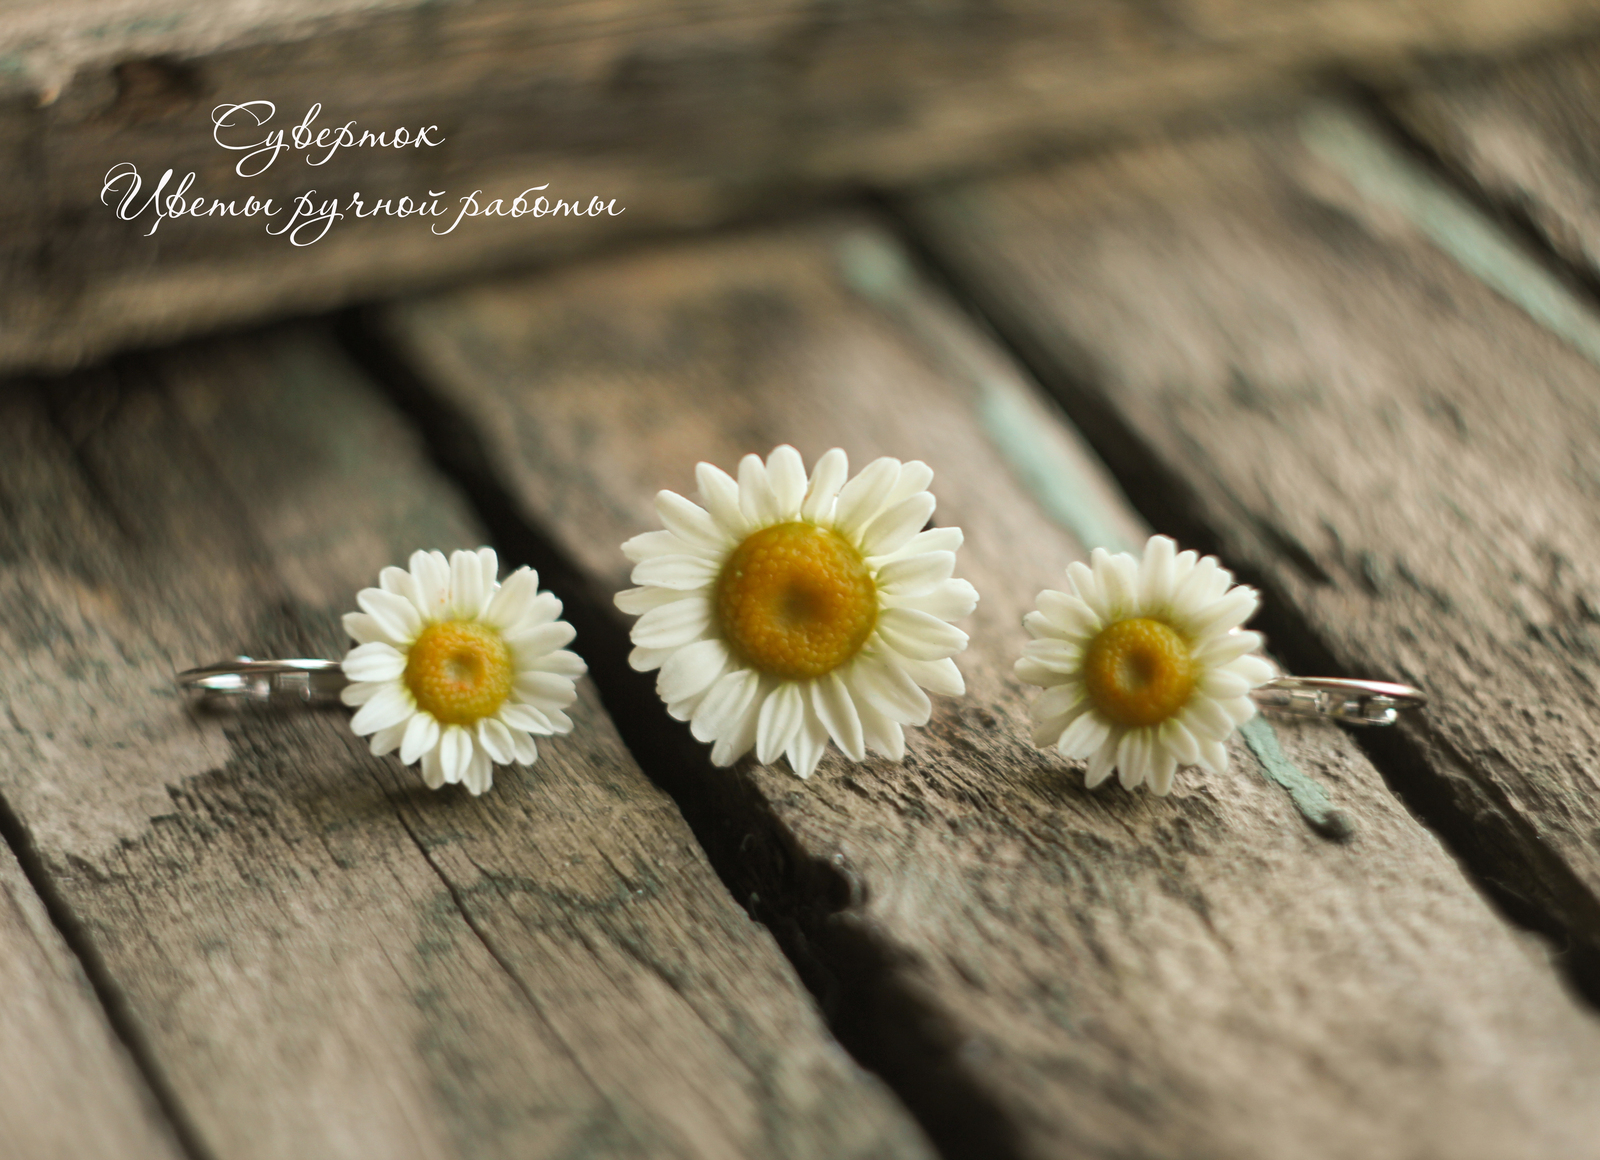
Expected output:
{"points": [[67, 1087], [683, 113], [1040, 970], [325, 958], [1523, 134], [1290, 367]]}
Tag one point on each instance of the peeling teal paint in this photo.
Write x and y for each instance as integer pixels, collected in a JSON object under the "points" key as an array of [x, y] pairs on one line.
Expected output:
{"points": [[1308, 797], [1385, 176]]}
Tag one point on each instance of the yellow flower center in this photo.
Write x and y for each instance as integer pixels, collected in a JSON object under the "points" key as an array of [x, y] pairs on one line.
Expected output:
{"points": [[460, 671], [796, 600], [1139, 672]]}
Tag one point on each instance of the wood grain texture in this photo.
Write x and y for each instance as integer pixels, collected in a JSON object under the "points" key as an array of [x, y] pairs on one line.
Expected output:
{"points": [[684, 113], [1526, 134], [325, 958], [67, 1088], [1404, 456], [1100, 974]]}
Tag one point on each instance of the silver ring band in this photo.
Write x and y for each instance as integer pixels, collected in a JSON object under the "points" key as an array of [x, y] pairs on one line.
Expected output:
{"points": [[315, 682], [1352, 702]]}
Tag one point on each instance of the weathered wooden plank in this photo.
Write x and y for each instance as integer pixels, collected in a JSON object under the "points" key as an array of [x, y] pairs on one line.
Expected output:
{"points": [[325, 958], [1404, 456], [67, 1087], [1524, 133], [1091, 973], [684, 113]]}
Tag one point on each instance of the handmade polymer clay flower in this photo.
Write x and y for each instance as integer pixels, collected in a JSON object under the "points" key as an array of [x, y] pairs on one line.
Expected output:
{"points": [[783, 611], [1144, 665], [458, 670]]}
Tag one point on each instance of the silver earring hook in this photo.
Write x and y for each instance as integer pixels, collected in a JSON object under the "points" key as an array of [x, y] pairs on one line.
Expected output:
{"points": [[1347, 701], [311, 681]]}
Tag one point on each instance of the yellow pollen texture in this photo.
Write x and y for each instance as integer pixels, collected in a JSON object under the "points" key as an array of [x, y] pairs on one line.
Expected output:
{"points": [[1139, 672], [460, 671], [796, 600]]}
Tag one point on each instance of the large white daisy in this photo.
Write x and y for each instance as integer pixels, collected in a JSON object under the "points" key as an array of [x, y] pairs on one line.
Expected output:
{"points": [[457, 670], [1144, 665], [783, 611]]}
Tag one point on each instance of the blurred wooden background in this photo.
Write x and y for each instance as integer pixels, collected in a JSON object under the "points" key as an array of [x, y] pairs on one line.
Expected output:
{"points": [[1311, 285]]}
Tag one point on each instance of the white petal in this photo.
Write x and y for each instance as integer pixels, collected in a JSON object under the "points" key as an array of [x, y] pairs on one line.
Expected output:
{"points": [[649, 545], [396, 615], [529, 719], [1133, 758], [892, 530], [642, 660], [479, 774], [915, 476], [638, 601], [890, 689], [910, 575], [827, 477], [863, 497], [469, 588], [496, 740], [1213, 756], [541, 638], [1157, 574], [1051, 653], [1086, 587], [719, 495], [756, 502], [1032, 672], [727, 704], [673, 624], [387, 740], [515, 600], [455, 752], [390, 705], [1221, 685], [740, 736], [432, 769], [809, 743], [1178, 741], [1226, 648], [880, 733], [918, 635], [560, 663], [786, 473], [365, 629], [688, 521], [782, 714], [358, 694], [940, 676], [1085, 735], [692, 669], [1118, 576], [836, 709], [422, 734], [1197, 589], [401, 583], [1069, 616], [684, 573], [374, 662], [1057, 701], [1232, 610], [431, 571], [1162, 767], [1102, 763], [934, 540], [1239, 709], [1206, 719], [951, 600], [545, 690], [1253, 670], [523, 747]]}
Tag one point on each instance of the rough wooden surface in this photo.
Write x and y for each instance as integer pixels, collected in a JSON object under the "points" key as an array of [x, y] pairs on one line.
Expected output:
{"points": [[683, 113], [1297, 371], [325, 958], [1093, 974], [67, 1087], [1526, 133]]}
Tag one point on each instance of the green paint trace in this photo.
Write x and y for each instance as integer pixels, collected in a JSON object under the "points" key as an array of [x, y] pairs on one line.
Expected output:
{"points": [[1308, 797]]}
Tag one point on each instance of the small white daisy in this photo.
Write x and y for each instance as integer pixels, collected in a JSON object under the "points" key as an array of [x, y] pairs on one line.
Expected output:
{"points": [[784, 611], [457, 669], [1144, 665]]}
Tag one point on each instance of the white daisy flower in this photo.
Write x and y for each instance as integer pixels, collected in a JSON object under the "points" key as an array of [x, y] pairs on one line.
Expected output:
{"points": [[1144, 665], [784, 611], [457, 670]]}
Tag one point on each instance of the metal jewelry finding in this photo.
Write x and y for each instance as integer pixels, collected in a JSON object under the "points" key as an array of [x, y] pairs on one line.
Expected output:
{"points": [[1351, 702], [312, 682]]}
